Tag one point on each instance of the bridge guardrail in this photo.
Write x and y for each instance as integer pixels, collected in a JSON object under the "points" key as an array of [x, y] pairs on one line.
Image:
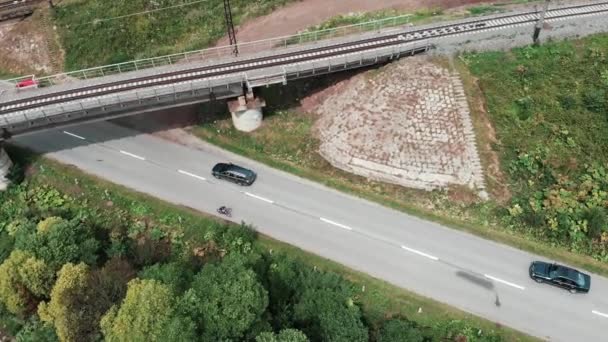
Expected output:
{"points": [[218, 52]]}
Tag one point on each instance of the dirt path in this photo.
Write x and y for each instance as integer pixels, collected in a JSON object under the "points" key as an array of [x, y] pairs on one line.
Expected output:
{"points": [[303, 14]]}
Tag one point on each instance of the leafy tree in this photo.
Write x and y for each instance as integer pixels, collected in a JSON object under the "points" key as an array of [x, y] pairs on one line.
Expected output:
{"points": [[178, 329], [286, 335], [23, 278], [36, 276], [238, 239], [58, 241], [174, 274], [397, 330], [288, 279], [226, 299], [71, 321], [326, 315], [110, 282], [36, 331], [80, 297], [597, 221], [148, 313], [6, 245]]}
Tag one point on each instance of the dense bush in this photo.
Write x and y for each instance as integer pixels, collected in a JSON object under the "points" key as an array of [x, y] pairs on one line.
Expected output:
{"points": [[550, 109]]}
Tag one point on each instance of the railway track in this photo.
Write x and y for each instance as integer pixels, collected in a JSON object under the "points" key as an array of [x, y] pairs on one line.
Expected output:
{"points": [[16, 8], [394, 38], [7, 5]]}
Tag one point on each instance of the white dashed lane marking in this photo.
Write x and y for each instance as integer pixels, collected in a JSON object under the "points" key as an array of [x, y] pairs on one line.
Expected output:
{"points": [[335, 223], [504, 282], [432, 257], [599, 313], [74, 135], [132, 155], [192, 175], [259, 197]]}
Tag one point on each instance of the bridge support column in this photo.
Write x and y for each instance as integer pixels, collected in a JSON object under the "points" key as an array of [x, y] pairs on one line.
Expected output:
{"points": [[5, 165], [246, 112]]}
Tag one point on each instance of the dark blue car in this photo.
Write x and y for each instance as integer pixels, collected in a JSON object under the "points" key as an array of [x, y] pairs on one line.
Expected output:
{"points": [[562, 276], [234, 173]]}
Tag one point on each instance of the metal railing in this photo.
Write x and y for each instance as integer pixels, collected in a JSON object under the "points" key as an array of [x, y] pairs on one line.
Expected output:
{"points": [[217, 52]]}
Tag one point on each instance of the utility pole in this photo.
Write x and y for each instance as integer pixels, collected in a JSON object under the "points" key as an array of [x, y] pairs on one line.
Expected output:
{"points": [[230, 27], [540, 22]]}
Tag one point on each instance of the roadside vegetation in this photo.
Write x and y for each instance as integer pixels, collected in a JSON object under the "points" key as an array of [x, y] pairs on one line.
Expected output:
{"points": [[363, 17], [89, 41], [484, 9], [82, 260], [548, 106]]}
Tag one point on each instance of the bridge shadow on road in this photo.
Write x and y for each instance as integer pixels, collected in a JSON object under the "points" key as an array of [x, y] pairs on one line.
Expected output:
{"points": [[278, 98]]}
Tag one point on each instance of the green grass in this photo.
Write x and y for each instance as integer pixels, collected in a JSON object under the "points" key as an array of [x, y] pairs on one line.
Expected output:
{"points": [[89, 43], [548, 105], [379, 299], [7, 75], [484, 10], [362, 17]]}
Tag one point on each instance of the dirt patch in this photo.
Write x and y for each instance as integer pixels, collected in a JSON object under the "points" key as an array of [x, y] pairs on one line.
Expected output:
{"points": [[29, 45], [493, 171], [303, 14], [486, 138]]}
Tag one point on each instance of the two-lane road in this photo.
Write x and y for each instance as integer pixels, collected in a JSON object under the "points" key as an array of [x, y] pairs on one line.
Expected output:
{"points": [[477, 275]]}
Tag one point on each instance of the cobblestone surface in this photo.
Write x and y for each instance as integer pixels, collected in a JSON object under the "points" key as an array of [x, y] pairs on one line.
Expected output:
{"points": [[407, 124]]}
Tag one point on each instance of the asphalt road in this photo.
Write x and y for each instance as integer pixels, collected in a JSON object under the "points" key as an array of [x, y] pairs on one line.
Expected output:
{"points": [[476, 275]]}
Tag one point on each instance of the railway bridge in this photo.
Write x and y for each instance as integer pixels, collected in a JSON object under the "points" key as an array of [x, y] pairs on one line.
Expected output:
{"points": [[30, 104]]}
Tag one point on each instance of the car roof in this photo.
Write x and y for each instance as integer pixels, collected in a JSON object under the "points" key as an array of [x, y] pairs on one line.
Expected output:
{"points": [[567, 272], [561, 270], [237, 169]]}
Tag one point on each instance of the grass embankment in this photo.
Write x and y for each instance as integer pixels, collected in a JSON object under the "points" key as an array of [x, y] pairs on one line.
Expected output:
{"points": [[523, 89], [379, 299], [89, 41]]}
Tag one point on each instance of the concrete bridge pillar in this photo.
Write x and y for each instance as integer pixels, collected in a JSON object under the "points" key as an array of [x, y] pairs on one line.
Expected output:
{"points": [[246, 112], [5, 165]]}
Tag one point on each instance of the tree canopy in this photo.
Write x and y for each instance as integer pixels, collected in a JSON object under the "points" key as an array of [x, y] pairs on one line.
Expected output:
{"points": [[286, 335], [148, 313], [326, 315], [23, 280], [397, 330], [226, 299], [58, 241], [64, 310]]}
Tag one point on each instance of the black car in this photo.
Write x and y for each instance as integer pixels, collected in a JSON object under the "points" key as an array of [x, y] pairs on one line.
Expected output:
{"points": [[562, 276], [234, 173]]}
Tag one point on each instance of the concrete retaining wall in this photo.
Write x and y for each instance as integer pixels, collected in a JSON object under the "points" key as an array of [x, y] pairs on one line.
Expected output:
{"points": [[5, 165]]}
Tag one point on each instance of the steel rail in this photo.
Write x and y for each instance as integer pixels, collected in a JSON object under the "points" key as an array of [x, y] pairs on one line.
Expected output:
{"points": [[291, 58], [16, 8], [8, 5]]}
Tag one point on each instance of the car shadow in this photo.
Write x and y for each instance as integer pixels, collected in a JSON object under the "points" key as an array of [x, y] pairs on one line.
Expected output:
{"points": [[476, 279]]}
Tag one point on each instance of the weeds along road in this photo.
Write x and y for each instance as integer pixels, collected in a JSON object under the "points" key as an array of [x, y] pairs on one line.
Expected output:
{"points": [[482, 277]]}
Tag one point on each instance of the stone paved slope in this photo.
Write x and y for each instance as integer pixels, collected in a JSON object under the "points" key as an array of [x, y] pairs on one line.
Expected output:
{"points": [[407, 123]]}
